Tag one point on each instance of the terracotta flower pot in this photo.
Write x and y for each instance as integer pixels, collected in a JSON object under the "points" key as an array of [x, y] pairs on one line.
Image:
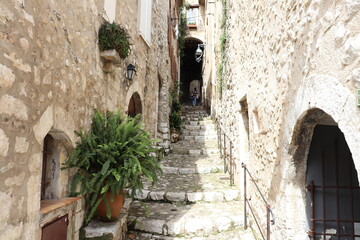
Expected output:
{"points": [[115, 206]]}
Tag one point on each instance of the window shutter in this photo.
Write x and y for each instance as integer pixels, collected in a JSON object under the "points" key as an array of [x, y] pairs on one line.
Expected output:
{"points": [[145, 16]]}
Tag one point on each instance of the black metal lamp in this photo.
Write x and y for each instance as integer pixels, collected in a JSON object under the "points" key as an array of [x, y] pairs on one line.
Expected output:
{"points": [[130, 72]]}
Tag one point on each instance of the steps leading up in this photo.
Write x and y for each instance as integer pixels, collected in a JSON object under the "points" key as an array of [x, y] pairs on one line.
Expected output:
{"points": [[191, 188], [192, 199], [186, 220]]}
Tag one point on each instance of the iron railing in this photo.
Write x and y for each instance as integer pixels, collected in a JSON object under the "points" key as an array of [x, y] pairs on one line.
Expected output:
{"points": [[270, 219], [226, 152]]}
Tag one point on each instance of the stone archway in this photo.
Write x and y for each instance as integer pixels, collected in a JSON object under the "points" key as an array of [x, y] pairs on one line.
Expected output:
{"points": [[191, 70], [319, 99], [318, 147], [135, 105]]}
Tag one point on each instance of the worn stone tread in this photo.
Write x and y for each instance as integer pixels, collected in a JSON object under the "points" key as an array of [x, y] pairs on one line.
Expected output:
{"points": [[178, 163], [237, 234], [169, 219], [190, 188]]}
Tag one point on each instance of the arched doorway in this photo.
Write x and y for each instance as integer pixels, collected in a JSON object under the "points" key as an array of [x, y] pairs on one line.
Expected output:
{"points": [[135, 106], [190, 71], [333, 194]]}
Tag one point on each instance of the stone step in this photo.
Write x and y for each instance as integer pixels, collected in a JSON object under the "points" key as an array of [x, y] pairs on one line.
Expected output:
{"points": [[195, 118], [208, 147], [203, 151], [198, 169], [199, 138], [236, 234], [190, 187], [202, 122], [182, 164], [169, 219], [200, 127], [199, 132]]}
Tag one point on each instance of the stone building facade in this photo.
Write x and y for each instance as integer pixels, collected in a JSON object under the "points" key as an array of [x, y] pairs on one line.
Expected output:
{"points": [[291, 67], [52, 78]]}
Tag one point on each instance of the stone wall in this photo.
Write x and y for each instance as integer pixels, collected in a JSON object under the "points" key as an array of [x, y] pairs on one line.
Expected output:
{"points": [[284, 58], [51, 80]]}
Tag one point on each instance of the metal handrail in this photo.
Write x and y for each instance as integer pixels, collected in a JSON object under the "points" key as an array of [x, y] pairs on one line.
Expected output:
{"points": [[270, 219], [228, 156]]}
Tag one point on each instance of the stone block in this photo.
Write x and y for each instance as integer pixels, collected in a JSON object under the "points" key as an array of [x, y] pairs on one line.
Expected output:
{"points": [[142, 194], [170, 169], [110, 55], [188, 138], [175, 227], [231, 195], [195, 152], [193, 123], [21, 145], [4, 144], [213, 197], [156, 196], [195, 196], [97, 229], [187, 170], [13, 106], [175, 196], [78, 220], [7, 77], [223, 223], [198, 225], [150, 225], [200, 138]]}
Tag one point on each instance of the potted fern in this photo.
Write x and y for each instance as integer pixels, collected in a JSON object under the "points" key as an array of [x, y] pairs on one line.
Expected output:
{"points": [[115, 154]]}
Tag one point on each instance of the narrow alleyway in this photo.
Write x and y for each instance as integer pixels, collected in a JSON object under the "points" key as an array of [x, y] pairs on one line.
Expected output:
{"points": [[193, 199]]}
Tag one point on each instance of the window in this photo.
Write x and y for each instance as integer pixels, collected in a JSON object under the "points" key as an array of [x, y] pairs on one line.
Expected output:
{"points": [[192, 15], [110, 10], [145, 16]]}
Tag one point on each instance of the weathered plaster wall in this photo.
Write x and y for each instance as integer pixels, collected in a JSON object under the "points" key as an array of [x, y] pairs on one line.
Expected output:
{"points": [[51, 79], [287, 57]]}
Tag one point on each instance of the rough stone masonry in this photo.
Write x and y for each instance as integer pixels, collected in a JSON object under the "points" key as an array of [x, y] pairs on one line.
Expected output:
{"points": [[51, 80]]}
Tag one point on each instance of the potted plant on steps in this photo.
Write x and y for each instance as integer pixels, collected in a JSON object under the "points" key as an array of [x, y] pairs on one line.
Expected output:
{"points": [[115, 154]]}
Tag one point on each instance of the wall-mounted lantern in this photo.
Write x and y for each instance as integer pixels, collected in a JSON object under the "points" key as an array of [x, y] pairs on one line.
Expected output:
{"points": [[130, 72], [199, 53]]}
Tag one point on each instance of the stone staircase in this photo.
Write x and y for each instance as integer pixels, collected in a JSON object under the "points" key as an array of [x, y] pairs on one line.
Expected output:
{"points": [[193, 199]]}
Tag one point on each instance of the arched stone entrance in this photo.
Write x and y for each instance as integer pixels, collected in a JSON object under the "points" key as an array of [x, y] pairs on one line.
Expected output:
{"points": [[333, 194], [135, 105], [191, 71], [335, 106]]}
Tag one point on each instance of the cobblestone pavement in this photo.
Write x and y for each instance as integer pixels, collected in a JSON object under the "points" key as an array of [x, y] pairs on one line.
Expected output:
{"points": [[193, 198]]}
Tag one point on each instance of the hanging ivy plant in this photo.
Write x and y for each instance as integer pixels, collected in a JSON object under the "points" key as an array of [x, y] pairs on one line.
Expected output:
{"points": [[113, 36]]}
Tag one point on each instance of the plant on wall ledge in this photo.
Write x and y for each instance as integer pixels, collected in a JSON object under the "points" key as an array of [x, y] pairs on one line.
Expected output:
{"points": [[113, 36]]}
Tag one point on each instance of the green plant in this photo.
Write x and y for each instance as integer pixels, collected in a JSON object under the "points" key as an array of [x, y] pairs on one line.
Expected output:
{"points": [[182, 28], [175, 121], [113, 36], [114, 154], [220, 69]]}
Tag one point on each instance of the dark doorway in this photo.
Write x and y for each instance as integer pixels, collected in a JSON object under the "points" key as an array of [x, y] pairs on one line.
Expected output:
{"points": [[333, 199], [135, 106], [190, 70]]}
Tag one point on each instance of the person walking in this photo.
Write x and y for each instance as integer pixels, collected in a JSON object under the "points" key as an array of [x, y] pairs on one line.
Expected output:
{"points": [[194, 96]]}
